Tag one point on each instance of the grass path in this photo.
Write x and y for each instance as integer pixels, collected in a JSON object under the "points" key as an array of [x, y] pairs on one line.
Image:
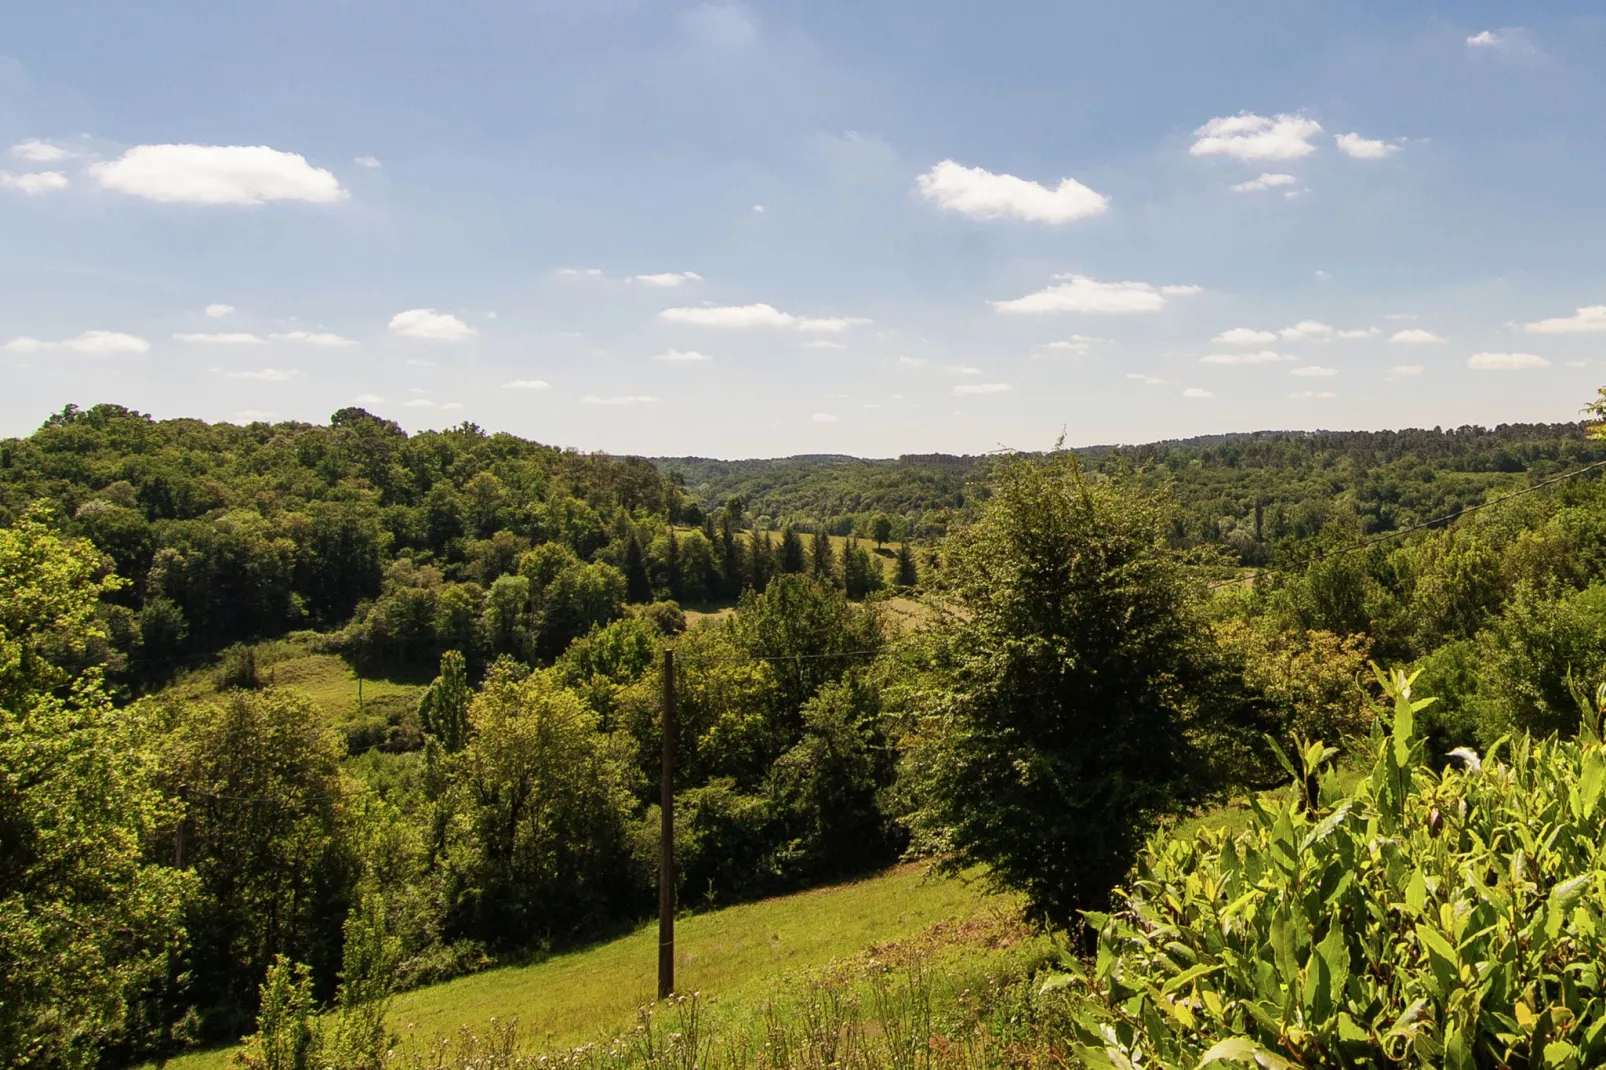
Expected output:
{"points": [[737, 956]]}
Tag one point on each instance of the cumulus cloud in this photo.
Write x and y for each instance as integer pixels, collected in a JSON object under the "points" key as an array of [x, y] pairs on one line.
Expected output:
{"points": [[669, 278], [526, 384], [1506, 362], [327, 339], [823, 418], [1264, 356], [981, 194], [1245, 336], [1313, 371], [1079, 293], [1486, 39], [589, 273], [217, 174], [266, 375], [964, 389], [1247, 136], [682, 356], [428, 323], [1402, 371], [1264, 182], [1306, 330], [621, 399], [34, 181], [1415, 336], [217, 312], [89, 344], [760, 315], [1587, 320], [1360, 332], [1196, 393], [36, 151], [226, 338], [1362, 148]]}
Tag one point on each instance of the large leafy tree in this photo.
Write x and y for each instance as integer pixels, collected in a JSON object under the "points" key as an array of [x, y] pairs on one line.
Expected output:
{"points": [[86, 921], [1059, 722]]}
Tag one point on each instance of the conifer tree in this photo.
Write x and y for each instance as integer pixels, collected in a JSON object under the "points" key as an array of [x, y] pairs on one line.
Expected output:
{"points": [[638, 585], [908, 575], [763, 560], [791, 550], [822, 562], [730, 557], [672, 571]]}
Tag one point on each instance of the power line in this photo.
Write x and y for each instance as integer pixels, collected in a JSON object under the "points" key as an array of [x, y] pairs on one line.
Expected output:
{"points": [[1401, 532]]}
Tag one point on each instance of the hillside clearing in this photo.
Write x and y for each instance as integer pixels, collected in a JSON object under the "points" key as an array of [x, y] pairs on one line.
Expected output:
{"points": [[738, 958]]}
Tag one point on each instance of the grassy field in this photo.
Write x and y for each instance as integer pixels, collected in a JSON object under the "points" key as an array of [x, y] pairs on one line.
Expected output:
{"points": [[738, 957]]}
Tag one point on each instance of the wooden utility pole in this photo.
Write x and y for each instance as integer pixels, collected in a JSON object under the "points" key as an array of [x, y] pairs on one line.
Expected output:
{"points": [[666, 849]]}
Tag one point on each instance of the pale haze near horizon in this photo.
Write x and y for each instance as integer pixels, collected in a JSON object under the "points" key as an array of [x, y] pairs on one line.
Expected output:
{"points": [[730, 229]]}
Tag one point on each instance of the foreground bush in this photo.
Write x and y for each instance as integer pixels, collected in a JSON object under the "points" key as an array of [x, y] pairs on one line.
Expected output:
{"points": [[1453, 919]]}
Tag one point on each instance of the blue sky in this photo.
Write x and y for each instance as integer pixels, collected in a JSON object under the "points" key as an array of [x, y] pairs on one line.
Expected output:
{"points": [[755, 229]]}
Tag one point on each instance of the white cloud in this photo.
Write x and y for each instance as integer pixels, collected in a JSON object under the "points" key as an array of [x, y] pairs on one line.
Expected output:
{"points": [[1313, 371], [1079, 293], [1361, 148], [266, 375], [452, 405], [227, 338], [217, 312], [760, 315], [981, 194], [367, 161], [89, 344], [1245, 336], [217, 174], [367, 399], [823, 418], [316, 338], [1247, 136], [822, 343], [1578, 364], [1587, 320], [912, 362], [759, 208], [1400, 316], [257, 416], [1264, 356], [1361, 332], [1303, 394], [1264, 182], [1402, 371], [1196, 393], [1485, 39], [669, 278], [590, 273], [962, 369], [1505, 362], [1150, 380], [981, 388], [35, 151], [428, 323], [1415, 336], [526, 384], [34, 181], [1306, 330], [623, 399], [680, 356]]}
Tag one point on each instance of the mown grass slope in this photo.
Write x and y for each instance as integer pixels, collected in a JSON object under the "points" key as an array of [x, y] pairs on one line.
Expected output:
{"points": [[738, 958]]}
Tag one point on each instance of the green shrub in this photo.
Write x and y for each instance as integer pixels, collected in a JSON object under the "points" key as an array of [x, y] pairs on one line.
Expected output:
{"points": [[1453, 919]]}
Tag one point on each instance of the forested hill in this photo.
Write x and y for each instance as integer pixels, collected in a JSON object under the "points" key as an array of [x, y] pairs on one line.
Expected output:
{"points": [[1301, 481]]}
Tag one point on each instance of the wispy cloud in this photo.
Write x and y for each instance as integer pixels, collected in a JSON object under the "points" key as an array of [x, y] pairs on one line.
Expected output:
{"points": [[963, 389], [1247, 136], [1313, 371], [223, 338], [266, 375], [1402, 371], [1080, 293], [1506, 362], [1360, 148], [526, 384], [1591, 319], [89, 344], [1415, 336], [621, 399], [316, 338], [758, 315], [682, 356], [1264, 356], [669, 278]]}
